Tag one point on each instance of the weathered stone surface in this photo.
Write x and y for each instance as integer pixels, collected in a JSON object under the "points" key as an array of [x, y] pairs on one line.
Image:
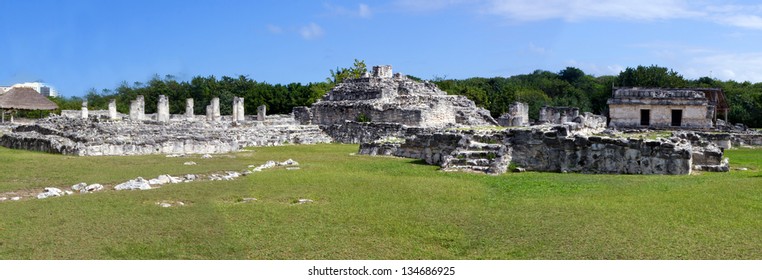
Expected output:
{"points": [[112, 113], [552, 149], [238, 109], [517, 115], [215, 106], [627, 106], [136, 184], [93, 137], [84, 110], [304, 200], [261, 113], [164, 179], [189, 114], [49, 192], [388, 98], [162, 108], [91, 188], [79, 187], [272, 163], [557, 115], [137, 109]]}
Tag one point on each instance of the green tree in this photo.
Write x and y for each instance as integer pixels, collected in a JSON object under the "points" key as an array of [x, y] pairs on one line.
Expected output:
{"points": [[651, 76], [356, 71]]}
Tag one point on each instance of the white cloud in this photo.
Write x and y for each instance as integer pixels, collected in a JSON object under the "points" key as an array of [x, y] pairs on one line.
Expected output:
{"points": [[576, 10], [536, 49], [430, 5], [728, 66], [311, 31], [744, 16], [362, 11], [595, 69], [745, 21], [274, 29]]}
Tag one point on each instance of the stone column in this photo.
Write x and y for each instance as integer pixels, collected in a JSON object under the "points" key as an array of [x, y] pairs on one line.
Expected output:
{"points": [[261, 113], [162, 109], [189, 108], [209, 115], [112, 109], [241, 112], [137, 109], [216, 109], [84, 109], [234, 116], [238, 110]]}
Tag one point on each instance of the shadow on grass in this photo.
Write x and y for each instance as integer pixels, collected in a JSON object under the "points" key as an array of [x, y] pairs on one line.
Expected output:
{"points": [[420, 162]]}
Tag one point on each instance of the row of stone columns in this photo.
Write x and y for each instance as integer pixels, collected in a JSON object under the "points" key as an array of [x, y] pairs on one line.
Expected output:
{"points": [[212, 110], [137, 109]]}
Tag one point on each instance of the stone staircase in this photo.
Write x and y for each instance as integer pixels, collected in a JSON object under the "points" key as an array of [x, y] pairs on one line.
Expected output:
{"points": [[477, 156]]}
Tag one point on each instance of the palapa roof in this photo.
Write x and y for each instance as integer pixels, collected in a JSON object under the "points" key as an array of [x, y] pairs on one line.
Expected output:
{"points": [[25, 99]]}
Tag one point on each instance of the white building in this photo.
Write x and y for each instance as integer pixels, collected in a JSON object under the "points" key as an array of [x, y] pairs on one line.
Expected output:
{"points": [[41, 88]]}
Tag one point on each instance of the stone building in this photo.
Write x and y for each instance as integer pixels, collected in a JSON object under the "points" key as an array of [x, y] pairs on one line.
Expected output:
{"points": [[695, 108]]}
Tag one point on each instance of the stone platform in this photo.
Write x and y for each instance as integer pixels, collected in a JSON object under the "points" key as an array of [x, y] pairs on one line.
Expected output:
{"points": [[96, 137]]}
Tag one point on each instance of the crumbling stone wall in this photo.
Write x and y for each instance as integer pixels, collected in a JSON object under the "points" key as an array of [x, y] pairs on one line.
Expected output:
{"points": [[517, 115], [547, 151], [95, 137], [557, 115], [351, 132], [553, 150]]}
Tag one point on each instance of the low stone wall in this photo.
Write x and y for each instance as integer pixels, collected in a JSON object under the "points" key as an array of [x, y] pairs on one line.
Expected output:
{"points": [[554, 150], [739, 139], [547, 151], [557, 115], [350, 132], [700, 139], [432, 148], [95, 137]]}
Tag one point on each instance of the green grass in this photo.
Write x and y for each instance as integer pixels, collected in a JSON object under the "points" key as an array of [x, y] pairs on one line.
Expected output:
{"points": [[375, 208], [650, 135]]}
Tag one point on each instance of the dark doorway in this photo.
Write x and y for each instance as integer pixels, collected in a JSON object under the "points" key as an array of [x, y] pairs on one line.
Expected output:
{"points": [[677, 117], [645, 117]]}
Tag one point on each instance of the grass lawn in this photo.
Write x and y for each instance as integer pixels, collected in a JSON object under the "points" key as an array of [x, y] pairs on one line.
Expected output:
{"points": [[375, 208]]}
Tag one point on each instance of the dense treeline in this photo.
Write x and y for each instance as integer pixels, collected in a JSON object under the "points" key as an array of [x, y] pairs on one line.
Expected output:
{"points": [[568, 87], [279, 99]]}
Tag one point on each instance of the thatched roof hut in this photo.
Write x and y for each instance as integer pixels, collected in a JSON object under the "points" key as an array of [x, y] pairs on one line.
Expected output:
{"points": [[23, 98]]}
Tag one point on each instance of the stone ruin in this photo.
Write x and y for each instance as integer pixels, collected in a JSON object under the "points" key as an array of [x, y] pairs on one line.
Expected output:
{"points": [[517, 115], [383, 97], [108, 133], [557, 115], [388, 114], [551, 149]]}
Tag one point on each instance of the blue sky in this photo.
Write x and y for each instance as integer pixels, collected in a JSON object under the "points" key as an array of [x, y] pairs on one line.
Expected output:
{"points": [[77, 45]]}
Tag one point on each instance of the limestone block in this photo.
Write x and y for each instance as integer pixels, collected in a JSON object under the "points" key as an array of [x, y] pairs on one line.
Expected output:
{"points": [[84, 109], [162, 109], [112, 115], [261, 113], [189, 108]]}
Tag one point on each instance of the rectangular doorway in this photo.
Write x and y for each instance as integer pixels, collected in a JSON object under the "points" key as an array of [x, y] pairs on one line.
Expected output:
{"points": [[677, 117], [645, 117]]}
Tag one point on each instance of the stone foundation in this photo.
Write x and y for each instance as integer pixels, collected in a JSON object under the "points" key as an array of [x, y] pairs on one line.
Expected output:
{"points": [[96, 137], [553, 149], [388, 98]]}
